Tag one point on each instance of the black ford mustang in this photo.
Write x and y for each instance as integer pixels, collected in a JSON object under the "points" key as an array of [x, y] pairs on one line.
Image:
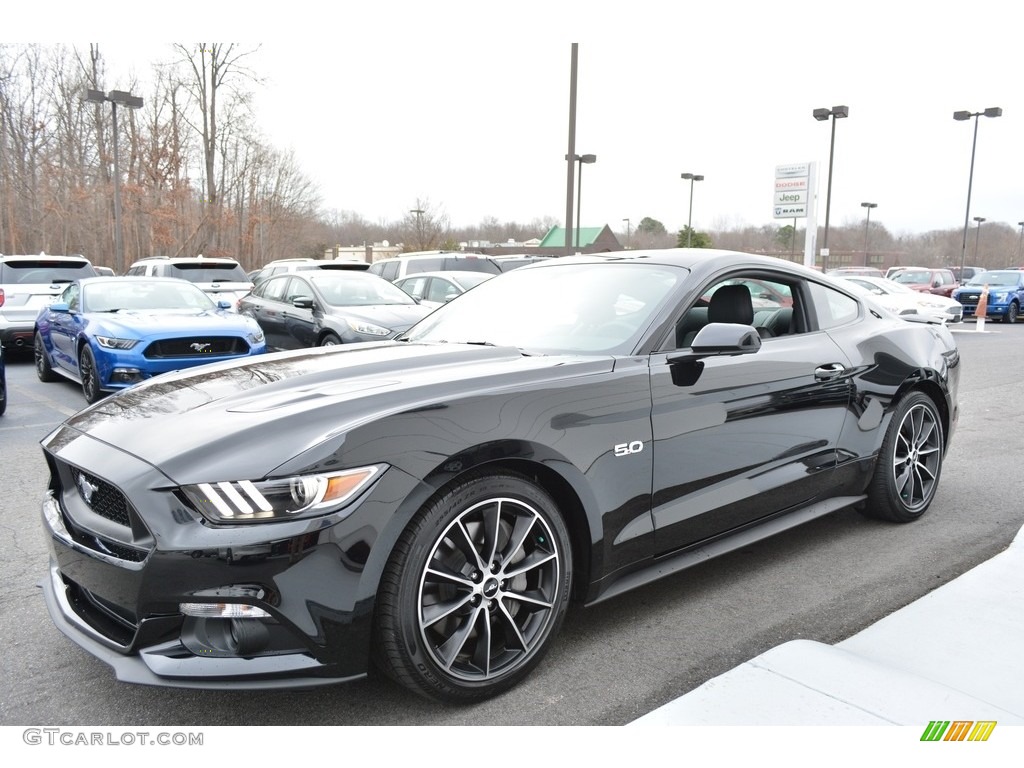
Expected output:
{"points": [[569, 430]]}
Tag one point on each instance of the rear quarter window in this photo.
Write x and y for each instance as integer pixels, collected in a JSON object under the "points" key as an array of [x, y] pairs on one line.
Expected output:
{"points": [[832, 308]]}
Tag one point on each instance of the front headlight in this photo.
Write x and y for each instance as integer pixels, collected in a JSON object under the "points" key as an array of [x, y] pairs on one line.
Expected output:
{"points": [[109, 342], [999, 297], [242, 501], [369, 329], [256, 336]]}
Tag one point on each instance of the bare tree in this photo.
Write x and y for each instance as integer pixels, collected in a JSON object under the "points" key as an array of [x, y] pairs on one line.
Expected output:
{"points": [[425, 227], [218, 73]]}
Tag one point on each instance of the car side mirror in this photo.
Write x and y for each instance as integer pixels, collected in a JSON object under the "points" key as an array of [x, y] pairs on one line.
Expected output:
{"points": [[302, 302], [60, 306]]}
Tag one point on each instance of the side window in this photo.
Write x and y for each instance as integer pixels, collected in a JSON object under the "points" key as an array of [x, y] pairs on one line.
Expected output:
{"points": [[298, 289], [424, 265], [832, 308], [71, 297], [767, 303], [273, 289], [415, 286], [441, 290], [389, 269]]}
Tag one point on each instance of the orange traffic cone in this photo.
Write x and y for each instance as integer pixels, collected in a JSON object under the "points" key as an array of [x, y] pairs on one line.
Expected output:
{"points": [[979, 313]]}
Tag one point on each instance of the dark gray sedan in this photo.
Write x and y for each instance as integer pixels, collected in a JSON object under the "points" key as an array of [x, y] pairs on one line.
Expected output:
{"points": [[319, 309]]}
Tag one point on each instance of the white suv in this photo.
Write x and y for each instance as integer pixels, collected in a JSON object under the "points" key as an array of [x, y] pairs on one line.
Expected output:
{"points": [[433, 261], [222, 279], [303, 264], [29, 283]]}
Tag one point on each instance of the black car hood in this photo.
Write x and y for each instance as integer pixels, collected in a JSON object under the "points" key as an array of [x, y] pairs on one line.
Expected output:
{"points": [[252, 416]]}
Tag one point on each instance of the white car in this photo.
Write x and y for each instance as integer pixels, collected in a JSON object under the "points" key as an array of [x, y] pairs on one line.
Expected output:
{"points": [[432, 289], [901, 300]]}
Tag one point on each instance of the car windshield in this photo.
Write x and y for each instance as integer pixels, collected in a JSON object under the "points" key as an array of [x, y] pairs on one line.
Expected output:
{"points": [[580, 308], [130, 294], [357, 289], [913, 276], [996, 277]]}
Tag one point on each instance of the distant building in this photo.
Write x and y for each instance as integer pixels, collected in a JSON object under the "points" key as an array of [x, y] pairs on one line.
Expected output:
{"points": [[366, 252]]}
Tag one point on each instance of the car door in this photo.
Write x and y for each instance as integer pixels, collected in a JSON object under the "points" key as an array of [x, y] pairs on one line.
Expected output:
{"points": [[266, 305], [65, 327], [741, 437], [297, 321]]}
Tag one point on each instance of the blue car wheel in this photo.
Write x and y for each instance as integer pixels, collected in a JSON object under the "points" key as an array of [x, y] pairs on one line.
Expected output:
{"points": [[90, 376]]}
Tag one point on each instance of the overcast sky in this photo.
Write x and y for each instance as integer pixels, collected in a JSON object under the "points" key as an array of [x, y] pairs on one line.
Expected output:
{"points": [[466, 104]]}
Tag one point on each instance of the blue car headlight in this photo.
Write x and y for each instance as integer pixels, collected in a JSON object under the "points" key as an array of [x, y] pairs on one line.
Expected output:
{"points": [[244, 501], [256, 336], [109, 342]]}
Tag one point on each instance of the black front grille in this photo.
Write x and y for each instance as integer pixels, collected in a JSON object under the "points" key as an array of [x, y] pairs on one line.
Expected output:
{"points": [[197, 347], [103, 498]]}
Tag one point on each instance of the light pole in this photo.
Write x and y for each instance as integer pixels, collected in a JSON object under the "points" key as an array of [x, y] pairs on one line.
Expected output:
{"points": [[580, 159], [419, 227], [689, 219], [1020, 244], [977, 236], [965, 115], [627, 231], [867, 223], [824, 114], [125, 99]]}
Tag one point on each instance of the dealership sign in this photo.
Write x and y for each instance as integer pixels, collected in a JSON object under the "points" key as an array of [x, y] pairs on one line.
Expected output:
{"points": [[792, 184]]}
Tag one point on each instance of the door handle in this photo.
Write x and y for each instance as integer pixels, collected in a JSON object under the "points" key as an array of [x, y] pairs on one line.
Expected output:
{"points": [[829, 371]]}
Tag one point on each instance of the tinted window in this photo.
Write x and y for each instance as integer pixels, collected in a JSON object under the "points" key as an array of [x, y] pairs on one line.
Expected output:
{"points": [[40, 271], [273, 289], [832, 308], [424, 265], [208, 273]]}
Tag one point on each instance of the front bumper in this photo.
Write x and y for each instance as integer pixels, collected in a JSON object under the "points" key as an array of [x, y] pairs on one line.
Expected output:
{"points": [[116, 581]]}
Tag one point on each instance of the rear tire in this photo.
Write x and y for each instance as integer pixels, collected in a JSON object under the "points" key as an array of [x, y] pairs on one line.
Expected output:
{"points": [[909, 462], [475, 590], [44, 371]]}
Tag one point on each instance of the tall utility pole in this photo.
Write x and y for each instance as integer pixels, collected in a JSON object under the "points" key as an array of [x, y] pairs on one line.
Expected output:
{"points": [[570, 155], [125, 99]]}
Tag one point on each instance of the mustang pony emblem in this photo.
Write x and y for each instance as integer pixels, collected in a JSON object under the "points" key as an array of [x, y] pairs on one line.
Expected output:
{"points": [[201, 346], [86, 488]]}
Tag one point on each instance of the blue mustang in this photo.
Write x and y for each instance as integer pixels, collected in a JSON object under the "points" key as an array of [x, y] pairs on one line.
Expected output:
{"points": [[108, 333]]}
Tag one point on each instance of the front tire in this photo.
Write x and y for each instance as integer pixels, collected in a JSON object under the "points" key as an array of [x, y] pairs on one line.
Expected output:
{"points": [[476, 588], [330, 340], [909, 462], [1012, 312], [90, 376]]}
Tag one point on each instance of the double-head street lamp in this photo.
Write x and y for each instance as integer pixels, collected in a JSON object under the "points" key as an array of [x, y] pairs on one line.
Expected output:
{"points": [[124, 99], [627, 231], [965, 115], [689, 219], [824, 114], [580, 159], [977, 236], [867, 223]]}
